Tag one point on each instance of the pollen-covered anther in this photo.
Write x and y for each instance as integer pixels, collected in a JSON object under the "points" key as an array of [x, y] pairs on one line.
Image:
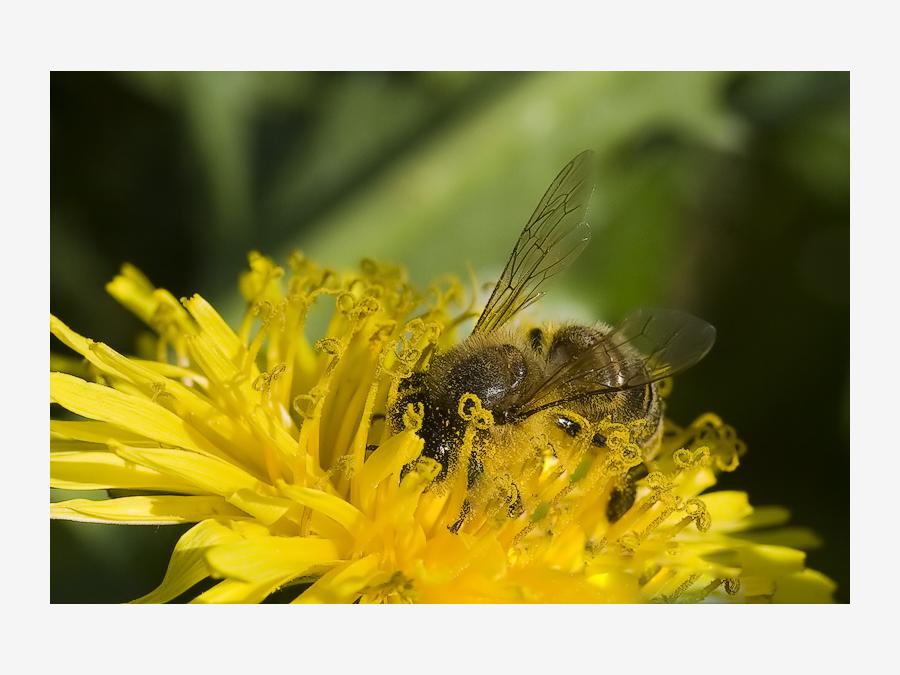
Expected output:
{"points": [[263, 272], [299, 300], [261, 309], [405, 351], [708, 422], [409, 336], [366, 307], [661, 490], [329, 345], [410, 356], [305, 404], [630, 455], [403, 299], [726, 447], [696, 509], [431, 332], [327, 280], [268, 312], [445, 291], [471, 410], [264, 382], [685, 458], [728, 462], [413, 416], [659, 482], [710, 430], [613, 467], [617, 436], [682, 587], [635, 427], [376, 290], [369, 267], [346, 303]]}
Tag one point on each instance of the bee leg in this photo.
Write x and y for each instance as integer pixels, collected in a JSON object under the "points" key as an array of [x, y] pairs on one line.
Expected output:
{"points": [[516, 507], [463, 513], [474, 472], [622, 497]]}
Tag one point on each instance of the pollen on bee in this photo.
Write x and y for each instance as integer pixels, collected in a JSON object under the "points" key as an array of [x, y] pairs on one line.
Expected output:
{"points": [[471, 410], [413, 416]]}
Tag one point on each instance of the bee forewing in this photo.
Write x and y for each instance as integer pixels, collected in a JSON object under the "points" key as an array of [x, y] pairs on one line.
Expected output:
{"points": [[668, 341], [554, 236], [649, 345]]}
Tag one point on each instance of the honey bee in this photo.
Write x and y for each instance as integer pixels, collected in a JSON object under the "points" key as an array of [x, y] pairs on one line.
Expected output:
{"points": [[598, 372]]}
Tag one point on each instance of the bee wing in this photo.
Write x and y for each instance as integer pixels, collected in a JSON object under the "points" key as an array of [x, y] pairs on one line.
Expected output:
{"points": [[649, 345], [553, 237]]}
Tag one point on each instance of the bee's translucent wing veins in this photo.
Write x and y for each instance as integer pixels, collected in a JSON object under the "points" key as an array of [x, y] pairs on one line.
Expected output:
{"points": [[649, 345], [553, 237]]}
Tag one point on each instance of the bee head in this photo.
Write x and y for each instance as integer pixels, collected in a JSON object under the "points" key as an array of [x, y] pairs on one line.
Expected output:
{"points": [[495, 373]]}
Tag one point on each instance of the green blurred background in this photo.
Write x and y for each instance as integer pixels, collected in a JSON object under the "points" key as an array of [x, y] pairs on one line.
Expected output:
{"points": [[726, 194]]}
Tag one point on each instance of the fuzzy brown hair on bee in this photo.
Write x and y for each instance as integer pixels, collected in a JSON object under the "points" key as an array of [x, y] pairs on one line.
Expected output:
{"points": [[535, 379]]}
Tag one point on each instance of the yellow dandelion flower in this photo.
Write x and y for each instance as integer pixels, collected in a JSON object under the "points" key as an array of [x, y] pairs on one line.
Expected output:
{"points": [[285, 455]]}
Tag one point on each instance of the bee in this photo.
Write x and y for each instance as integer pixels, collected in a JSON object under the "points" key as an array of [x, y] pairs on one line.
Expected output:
{"points": [[599, 372]]}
